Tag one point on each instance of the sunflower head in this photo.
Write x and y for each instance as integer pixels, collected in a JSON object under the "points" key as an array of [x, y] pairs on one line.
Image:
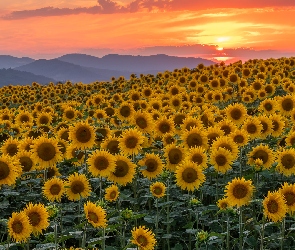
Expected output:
{"points": [[82, 135], [274, 206], [19, 227], [143, 237], [112, 193], [158, 189]]}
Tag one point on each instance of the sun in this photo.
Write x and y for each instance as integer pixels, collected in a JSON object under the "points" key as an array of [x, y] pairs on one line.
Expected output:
{"points": [[219, 48], [222, 39]]}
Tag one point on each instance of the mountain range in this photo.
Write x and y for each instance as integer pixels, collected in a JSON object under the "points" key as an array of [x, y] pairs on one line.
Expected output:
{"points": [[87, 68]]}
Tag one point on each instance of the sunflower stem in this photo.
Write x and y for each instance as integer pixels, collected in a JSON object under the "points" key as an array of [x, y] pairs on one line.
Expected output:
{"points": [[227, 231], [190, 219], [84, 235], [157, 220], [241, 228], [283, 233], [8, 241], [55, 235], [61, 227], [262, 234], [100, 186], [85, 162], [103, 242]]}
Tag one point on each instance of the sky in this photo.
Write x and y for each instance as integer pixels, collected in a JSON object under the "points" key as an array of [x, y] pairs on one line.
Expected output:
{"points": [[217, 30]]}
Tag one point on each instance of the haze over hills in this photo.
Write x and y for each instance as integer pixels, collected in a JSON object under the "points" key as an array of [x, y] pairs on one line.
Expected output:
{"points": [[15, 77], [86, 68]]}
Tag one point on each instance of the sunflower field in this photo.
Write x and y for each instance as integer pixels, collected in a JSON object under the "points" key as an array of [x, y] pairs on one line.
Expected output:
{"points": [[200, 158]]}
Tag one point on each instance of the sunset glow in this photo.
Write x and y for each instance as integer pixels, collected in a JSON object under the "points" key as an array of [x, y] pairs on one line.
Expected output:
{"points": [[45, 29]]}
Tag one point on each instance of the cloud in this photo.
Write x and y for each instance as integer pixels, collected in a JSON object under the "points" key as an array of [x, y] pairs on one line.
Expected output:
{"points": [[112, 6]]}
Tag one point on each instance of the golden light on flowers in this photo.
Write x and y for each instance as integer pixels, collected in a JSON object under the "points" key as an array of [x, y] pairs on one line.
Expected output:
{"points": [[19, 227], [158, 189], [274, 206], [38, 217], [95, 215], [53, 189], [45, 151], [125, 111], [82, 135], [286, 104], [221, 159], [189, 176], [101, 163], [130, 141], [198, 156], [111, 144], [78, 187], [10, 170], [239, 192], [236, 112], [195, 138], [264, 153], [24, 118], [286, 161], [154, 165], [288, 191], [144, 238], [124, 171], [112, 193], [278, 123]]}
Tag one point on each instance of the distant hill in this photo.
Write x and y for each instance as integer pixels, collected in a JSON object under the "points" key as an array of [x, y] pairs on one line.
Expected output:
{"points": [[64, 71], [15, 77], [86, 68], [7, 61], [135, 64]]}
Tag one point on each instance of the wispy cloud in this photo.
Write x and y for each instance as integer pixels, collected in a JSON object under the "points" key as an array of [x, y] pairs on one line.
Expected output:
{"points": [[111, 7]]}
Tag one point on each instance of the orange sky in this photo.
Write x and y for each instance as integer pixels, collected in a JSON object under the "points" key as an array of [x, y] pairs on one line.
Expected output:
{"points": [[49, 28]]}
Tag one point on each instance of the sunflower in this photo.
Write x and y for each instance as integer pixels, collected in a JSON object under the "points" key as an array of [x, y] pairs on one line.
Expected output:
{"points": [[264, 153], [130, 141], [82, 135], [10, 147], [288, 191], [189, 122], [38, 217], [286, 104], [227, 126], [78, 186], [53, 189], [52, 171], [195, 138], [164, 125], [74, 153], [95, 215], [274, 206], [278, 123], [69, 114], [286, 161], [144, 238], [111, 144], [213, 133], [221, 159], [189, 176], [143, 121], [174, 156], [46, 152], [112, 193], [268, 106], [43, 119], [168, 139], [125, 111], [197, 155], [19, 227], [239, 192], [10, 170], [26, 160], [290, 139], [63, 133], [158, 189], [236, 112], [228, 143], [153, 164], [253, 127], [223, 203], [24, 118], [124, 171], [266, 126], [101, 163]]}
